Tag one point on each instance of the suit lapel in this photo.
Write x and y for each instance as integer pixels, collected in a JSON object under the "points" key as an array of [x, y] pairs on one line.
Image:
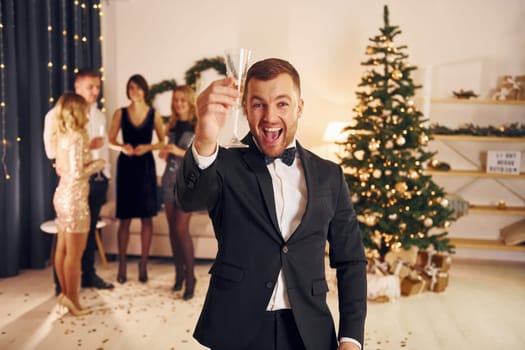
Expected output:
{"points": [[255, 161], [310, 177]]}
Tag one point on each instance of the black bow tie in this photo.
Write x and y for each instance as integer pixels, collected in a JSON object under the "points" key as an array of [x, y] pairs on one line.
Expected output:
{"points": [[287, 157]]}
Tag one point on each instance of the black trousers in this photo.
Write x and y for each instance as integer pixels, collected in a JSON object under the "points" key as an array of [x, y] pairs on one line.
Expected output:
{"points": [[278, 332], [98, 188]]}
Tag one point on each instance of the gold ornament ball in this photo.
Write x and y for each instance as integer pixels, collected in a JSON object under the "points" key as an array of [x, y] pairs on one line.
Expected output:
{"points": [[400, 141], [389, 144], [423, 139], [444, 202], [376, 173], [364, 176], [392, 217], [401, 187], [370, 220], [428, 222], [395, 119], [373, 145], [397, 74], [413, 174], [359, 155]]}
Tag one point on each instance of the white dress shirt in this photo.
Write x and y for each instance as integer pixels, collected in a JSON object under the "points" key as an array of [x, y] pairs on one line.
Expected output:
{"points": [[96, 127], [290, 195]]}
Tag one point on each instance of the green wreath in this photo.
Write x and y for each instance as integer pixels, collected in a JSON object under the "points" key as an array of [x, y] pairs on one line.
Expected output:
{"points": [[191, 77], [158, 88], [194, 73]]}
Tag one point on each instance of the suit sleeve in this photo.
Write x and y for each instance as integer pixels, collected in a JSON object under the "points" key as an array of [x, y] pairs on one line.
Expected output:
{"points": [[348, 258], [195, 188]]}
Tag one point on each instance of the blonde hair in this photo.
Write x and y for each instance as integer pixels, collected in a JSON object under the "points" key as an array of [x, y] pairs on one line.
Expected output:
{"points": [[71, 112], [189, 93]]}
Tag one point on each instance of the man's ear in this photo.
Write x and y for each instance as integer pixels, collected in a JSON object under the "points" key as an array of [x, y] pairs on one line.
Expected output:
{"points": [[300, 108]]}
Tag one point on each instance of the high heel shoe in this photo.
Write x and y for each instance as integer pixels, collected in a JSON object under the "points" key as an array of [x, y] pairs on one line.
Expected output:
{"points": [[190, 289], [61, 310], [143, 272], [121, 277], [177, 286], [75, 311]]}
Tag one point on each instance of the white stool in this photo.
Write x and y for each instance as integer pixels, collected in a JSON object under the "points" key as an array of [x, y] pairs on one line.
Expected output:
{"points": [[51, 228]]}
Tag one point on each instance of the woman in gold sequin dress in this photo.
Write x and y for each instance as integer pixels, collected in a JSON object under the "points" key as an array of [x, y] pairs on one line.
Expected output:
{"points": [[75, 166]]}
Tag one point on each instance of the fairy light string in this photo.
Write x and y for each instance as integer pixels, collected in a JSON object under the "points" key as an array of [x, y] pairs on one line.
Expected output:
{"points": [[50, 52], [2, 99], [65, 51], [81, 44]]}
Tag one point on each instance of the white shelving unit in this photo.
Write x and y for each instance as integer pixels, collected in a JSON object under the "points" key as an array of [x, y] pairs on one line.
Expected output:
{"points": [[467, 177]]}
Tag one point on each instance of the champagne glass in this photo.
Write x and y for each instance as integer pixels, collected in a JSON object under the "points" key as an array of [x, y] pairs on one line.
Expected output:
{"points": [[237, 67]]}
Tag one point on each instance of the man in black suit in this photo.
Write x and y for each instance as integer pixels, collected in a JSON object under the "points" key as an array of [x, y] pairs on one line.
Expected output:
{"points": [[272, 218]]}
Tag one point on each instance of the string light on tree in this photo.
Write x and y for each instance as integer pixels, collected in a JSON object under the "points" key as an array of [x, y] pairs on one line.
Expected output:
{"points": [[384, 153]]}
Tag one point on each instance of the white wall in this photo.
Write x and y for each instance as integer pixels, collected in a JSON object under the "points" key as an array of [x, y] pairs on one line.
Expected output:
{"points": [[469, 44], [325, 40]]}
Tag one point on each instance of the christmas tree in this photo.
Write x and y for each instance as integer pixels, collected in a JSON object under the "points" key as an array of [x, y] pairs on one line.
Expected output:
{"points": [[384, 153]]}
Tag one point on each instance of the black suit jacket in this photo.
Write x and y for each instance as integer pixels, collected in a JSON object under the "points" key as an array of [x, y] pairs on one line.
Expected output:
{"points": [[237, 190]]}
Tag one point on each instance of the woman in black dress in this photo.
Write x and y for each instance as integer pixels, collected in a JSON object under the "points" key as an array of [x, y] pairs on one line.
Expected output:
{"points": [[180, 129], [136, 176]]}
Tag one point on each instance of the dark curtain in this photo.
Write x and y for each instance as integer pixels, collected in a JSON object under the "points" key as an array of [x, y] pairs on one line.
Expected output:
{"points": [[42, 44]]}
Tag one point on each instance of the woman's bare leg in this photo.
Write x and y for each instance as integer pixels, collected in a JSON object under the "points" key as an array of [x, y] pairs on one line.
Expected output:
{"points": [[60, 254], [75, 245]]}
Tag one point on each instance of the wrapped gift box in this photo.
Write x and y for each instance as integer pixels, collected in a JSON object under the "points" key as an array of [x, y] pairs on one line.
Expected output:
{"points": [[435, 280], [431, 258], [400, 268], [412, 285], [441, 282]]}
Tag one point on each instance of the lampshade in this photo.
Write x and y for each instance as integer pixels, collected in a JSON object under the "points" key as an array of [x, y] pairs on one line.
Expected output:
{"points": [[334, 132]]}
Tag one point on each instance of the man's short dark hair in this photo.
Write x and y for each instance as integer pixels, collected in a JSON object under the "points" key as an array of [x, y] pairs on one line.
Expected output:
{"points": [[87, 72], [270, 68]]}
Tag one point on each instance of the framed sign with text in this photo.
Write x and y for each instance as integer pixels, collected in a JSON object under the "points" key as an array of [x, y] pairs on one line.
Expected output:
{"points": [[503, 162]]}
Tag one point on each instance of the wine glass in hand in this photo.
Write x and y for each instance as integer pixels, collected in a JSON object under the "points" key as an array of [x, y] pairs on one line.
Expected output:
{"points": [[237, 66]]}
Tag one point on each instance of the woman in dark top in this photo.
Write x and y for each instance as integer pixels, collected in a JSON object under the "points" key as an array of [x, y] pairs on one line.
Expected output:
{"points": [[180, 129], [136, 176]]}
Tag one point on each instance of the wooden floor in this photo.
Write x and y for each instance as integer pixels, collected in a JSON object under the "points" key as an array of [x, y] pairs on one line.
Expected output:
{"points": [[483, 308]]}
